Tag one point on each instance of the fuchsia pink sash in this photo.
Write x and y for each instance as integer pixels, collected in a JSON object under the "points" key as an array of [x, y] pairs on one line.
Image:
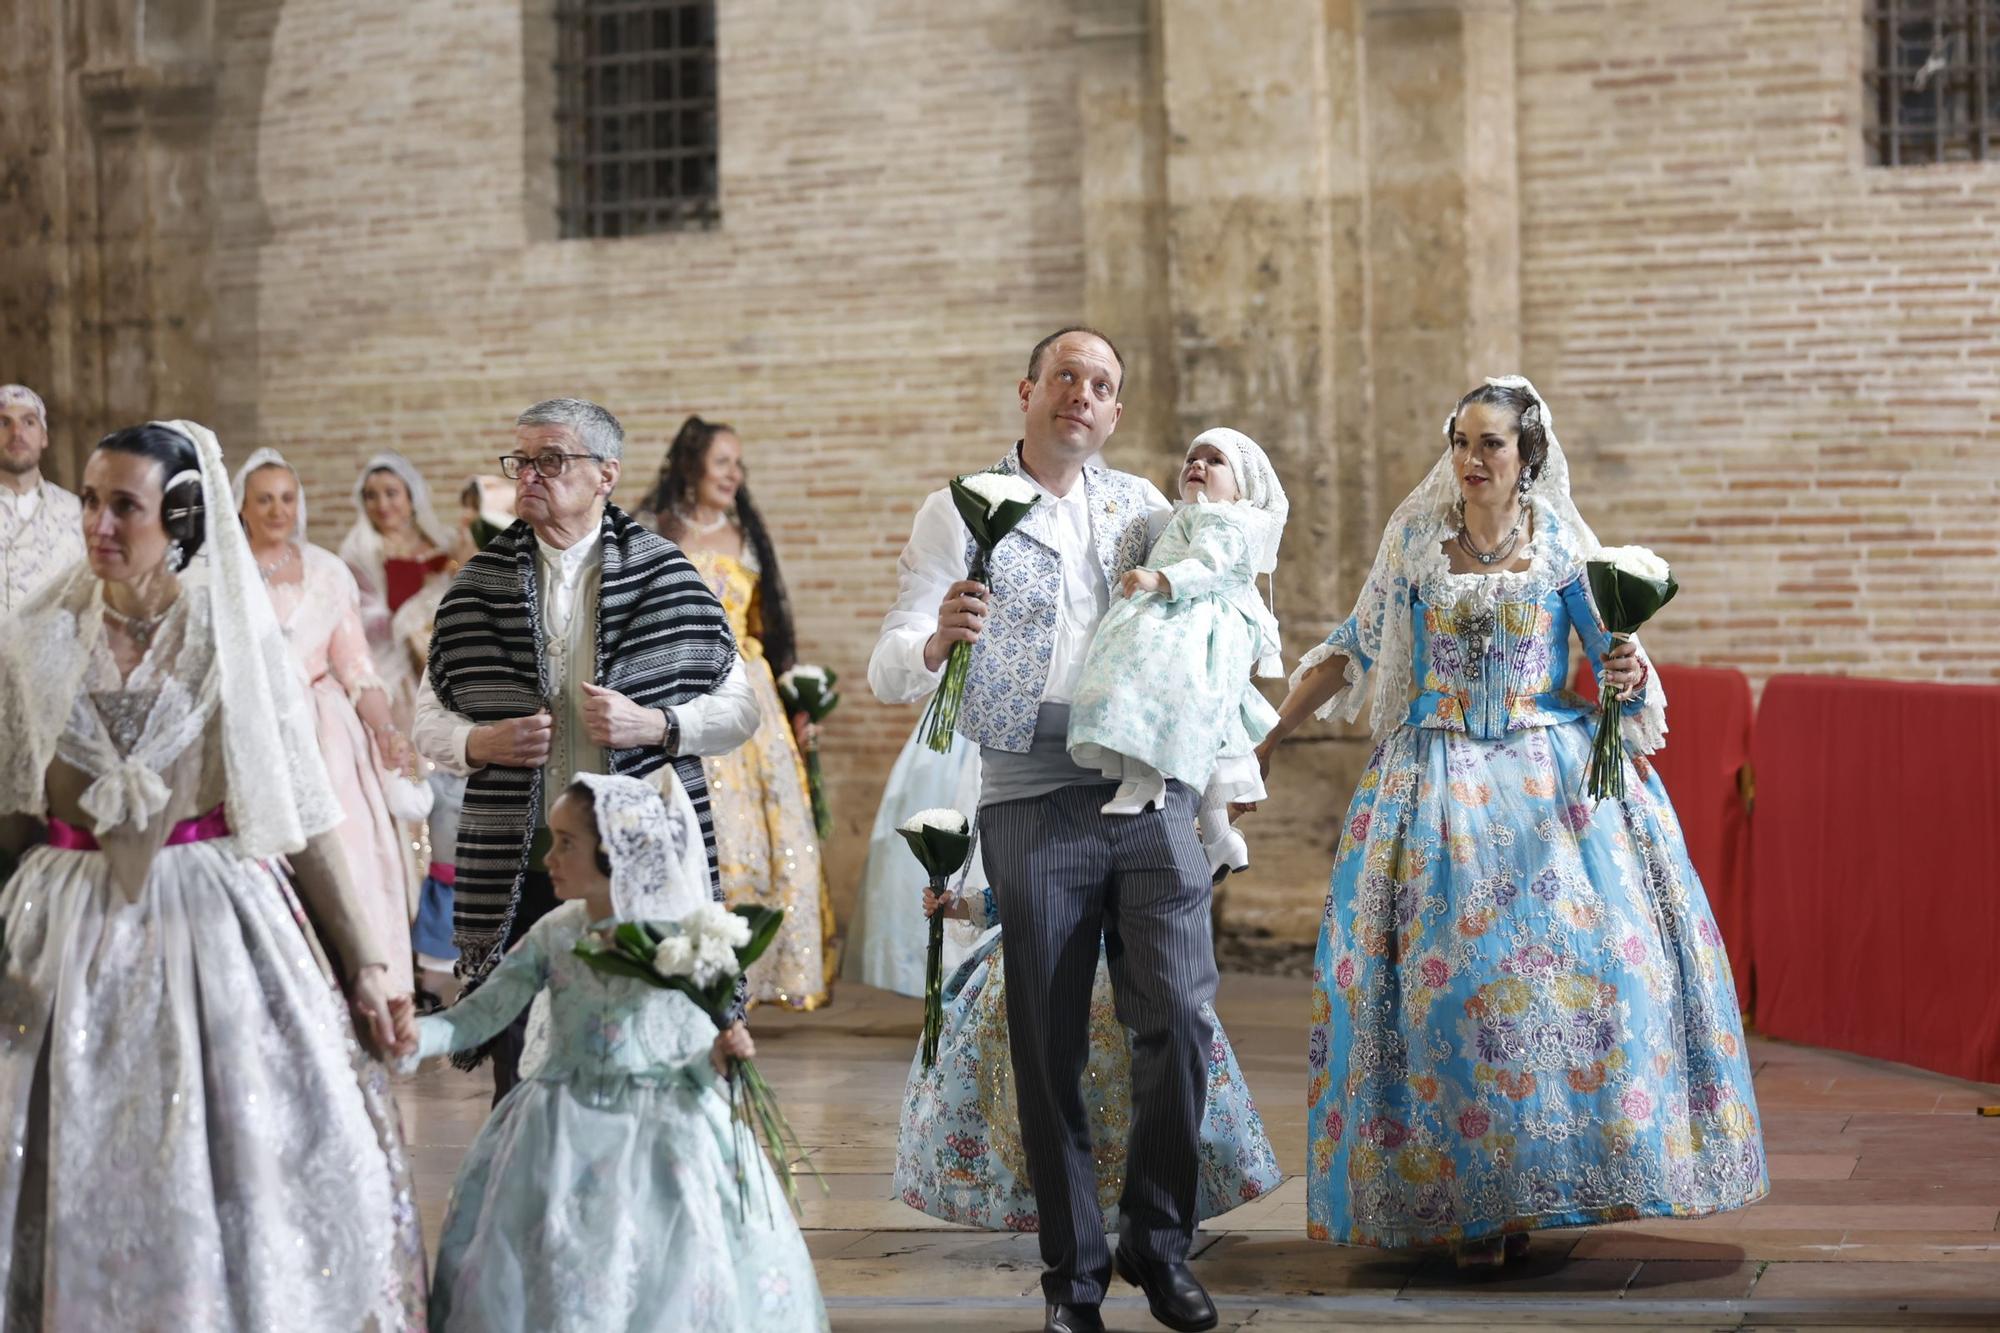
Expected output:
{"points": [[202, 828]]}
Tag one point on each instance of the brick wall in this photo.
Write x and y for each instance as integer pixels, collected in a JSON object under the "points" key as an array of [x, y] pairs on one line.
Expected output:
{"points": [[1776, 365], [900, 223]]}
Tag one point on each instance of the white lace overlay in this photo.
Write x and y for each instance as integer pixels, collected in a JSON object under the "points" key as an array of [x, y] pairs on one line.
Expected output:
{"points": [[1376, 639]]}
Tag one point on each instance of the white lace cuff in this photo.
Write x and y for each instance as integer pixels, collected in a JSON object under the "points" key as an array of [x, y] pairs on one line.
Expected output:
{"points": [[362, 684], [1346, 702]]}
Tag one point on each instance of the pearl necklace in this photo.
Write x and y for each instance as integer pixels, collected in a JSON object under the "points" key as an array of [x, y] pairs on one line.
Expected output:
{"points": [[139, 629], [278, 566], [703, 529]]}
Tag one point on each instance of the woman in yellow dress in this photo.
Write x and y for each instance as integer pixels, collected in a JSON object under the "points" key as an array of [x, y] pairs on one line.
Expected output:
{"points": [[765, 846]]}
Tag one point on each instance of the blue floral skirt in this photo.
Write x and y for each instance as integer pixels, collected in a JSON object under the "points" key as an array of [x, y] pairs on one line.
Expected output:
{"points": [[958, 1150], [1522, 1013]]}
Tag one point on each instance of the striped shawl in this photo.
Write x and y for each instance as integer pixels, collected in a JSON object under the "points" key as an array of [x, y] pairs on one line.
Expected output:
{"points": [[662, 639]]}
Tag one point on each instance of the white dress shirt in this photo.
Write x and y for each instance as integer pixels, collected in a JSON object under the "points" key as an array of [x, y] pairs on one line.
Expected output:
{"points": [[714, 723], [934, 559]]}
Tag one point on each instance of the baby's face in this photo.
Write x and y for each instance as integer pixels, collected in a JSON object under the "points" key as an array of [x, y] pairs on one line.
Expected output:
{"points": [[1206, 472]]}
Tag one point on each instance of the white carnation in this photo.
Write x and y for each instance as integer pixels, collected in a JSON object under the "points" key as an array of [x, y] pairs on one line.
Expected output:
{"points": [[997, 488], [1636, 560], [803, 671], [950, 821], [713, 960], [674, 956], [730, 928]]}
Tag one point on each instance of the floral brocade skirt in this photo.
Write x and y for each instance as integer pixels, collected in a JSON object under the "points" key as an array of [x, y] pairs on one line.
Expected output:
{"points": [[767, 851], [199, 1141], [1523, 1016], [958, 1148]]}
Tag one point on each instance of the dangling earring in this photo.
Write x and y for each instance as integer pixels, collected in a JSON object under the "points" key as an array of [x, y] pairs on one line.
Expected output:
{"points": [[1526, 483]]}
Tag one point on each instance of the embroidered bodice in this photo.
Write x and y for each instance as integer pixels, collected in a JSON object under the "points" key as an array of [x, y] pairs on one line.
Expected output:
{"points": [[1489, 653], [734, 581], [604, 1031]]}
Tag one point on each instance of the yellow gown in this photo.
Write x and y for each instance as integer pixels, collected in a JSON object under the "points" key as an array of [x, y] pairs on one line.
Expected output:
{"points": [[765, 845]]}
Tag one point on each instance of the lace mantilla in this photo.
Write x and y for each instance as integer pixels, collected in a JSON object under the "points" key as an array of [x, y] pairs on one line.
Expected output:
{"points": [[126, 733]]}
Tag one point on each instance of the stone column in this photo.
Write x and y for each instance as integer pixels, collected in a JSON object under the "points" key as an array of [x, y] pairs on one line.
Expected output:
{"points": [[105, 292], [1443, 219]]}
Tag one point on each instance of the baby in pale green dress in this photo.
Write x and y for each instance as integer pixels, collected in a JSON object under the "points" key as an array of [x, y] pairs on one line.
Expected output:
{"points": [[1166, 690]]}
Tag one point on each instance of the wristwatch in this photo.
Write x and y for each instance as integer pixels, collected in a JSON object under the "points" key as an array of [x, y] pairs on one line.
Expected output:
{"points": [[670, 739]]}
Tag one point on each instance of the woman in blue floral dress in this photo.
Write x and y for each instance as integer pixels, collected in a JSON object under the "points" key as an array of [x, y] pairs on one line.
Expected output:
{"points": [[1522, 1013], [958, 1148]]}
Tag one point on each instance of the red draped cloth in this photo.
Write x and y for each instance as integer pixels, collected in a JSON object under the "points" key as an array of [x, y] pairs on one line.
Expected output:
{"points": [[1877, 911], [1708, 746], [1708, 743]]}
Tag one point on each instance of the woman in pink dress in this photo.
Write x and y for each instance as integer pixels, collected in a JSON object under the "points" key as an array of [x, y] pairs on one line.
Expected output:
{"points": [[319, 610]]}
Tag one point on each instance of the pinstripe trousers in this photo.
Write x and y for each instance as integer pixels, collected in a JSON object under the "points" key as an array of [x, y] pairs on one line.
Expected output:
{"points": [[1063, 872]]}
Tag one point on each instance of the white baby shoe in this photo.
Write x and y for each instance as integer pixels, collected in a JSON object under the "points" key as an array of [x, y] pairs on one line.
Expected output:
{"points": [[1228, 852], [1135, 795]]}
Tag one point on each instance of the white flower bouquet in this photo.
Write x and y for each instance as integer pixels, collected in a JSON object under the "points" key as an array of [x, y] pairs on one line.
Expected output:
{"points": [[810, 690], [1629, 584], [702, 955], [941, 840], [991, 503]]}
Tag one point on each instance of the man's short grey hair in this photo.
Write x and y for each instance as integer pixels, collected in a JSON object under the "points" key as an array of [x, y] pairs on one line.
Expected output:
{"points": [[590, 425], [21, 393]]}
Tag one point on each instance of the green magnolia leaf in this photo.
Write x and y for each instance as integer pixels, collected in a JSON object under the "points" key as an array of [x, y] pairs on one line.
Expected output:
{"points": [[1626, 600], [618, 965], [764, 923], [633, 939], [918, 848]]}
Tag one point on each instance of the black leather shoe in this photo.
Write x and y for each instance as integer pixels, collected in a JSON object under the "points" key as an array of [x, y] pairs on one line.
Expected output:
{"points": [[1176, 1296], [1073, 1319]]}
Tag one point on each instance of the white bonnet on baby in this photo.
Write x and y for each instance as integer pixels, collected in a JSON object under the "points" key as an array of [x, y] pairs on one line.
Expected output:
{"points": [[1258, 481]]}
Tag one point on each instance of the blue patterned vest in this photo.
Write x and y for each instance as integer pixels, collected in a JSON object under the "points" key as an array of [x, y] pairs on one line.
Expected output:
{"points": [[1010, 662]]}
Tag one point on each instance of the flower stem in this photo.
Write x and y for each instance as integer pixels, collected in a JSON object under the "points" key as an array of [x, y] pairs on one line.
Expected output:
{"points": [[934, 981]]}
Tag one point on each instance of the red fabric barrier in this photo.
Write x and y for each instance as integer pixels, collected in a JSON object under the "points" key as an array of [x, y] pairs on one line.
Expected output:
{"points": [[1876, 918], [1708, 742]]}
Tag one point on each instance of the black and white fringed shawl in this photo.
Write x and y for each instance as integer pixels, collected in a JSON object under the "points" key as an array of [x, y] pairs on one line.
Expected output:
{"points": [[662, 639]]}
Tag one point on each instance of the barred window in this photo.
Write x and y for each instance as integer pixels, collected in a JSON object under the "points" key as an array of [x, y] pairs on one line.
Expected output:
{"points": [[1933, 81], [636, 116]]}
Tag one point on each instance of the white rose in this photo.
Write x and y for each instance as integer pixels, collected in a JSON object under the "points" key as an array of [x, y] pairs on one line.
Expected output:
{"points": [[996, 488], [673, 956], [1636, 560], [713, 960], [950, 821]]}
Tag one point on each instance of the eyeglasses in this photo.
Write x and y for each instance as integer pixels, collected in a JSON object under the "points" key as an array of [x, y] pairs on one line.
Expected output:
{"points": [[549, 464]]}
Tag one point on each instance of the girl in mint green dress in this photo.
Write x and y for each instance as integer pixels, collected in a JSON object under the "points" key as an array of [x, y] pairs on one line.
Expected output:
{"points": [[1166, 690], [601, 1196]]}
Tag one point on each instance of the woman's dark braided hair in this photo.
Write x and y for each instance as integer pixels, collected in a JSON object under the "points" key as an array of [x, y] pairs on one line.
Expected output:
{"points": [[1534, 439], [679, 479], [182, 508]]}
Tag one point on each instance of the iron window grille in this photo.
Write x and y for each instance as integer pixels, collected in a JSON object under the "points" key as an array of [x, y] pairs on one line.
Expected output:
{"points": [[636, 116], [1932, 78]]}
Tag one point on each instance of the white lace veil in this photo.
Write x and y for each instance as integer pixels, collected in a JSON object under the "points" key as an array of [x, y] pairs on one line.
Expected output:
{"points": [[278, 794], [659, 870], [271, 458], [1380, 626], [362, 547]]}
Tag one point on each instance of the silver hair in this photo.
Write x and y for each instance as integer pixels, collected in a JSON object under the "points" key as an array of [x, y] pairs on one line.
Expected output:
{"points": [[590, 425], [21, 393]]}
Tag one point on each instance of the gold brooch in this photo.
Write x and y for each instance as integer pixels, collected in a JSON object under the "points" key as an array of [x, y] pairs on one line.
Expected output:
{"points": [[1111, 507]]}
